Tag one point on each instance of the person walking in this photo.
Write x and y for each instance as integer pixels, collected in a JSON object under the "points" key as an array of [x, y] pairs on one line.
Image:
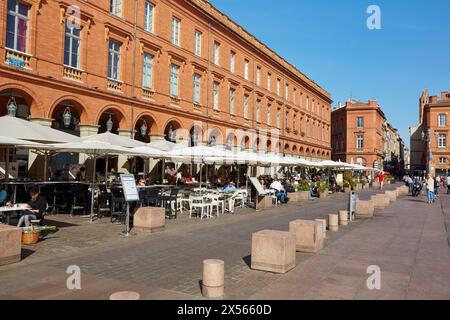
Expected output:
{"points": [[430, 189], [448, 183], [381, 179], [437, 186]]}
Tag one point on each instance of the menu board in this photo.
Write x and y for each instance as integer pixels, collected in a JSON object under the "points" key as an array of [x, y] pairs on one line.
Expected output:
{"points": [[129, 187]]}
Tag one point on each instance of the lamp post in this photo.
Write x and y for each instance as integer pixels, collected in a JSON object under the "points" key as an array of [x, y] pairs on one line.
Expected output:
{"points": [[67, 117], [12, 107], [109, 123]]}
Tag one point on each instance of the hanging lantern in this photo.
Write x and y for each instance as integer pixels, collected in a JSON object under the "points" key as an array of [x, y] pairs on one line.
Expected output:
{"points": [[109, 124], [12, 107], [144, 128], [67, 117]]}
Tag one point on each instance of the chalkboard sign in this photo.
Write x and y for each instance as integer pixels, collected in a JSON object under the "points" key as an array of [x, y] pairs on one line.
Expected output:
{"points": [[129, 187]]}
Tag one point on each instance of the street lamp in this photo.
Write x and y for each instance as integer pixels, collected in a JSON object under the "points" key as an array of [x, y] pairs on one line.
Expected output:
{"points": [[144, 128], [67, 117], [109, 123], [12, 107]]}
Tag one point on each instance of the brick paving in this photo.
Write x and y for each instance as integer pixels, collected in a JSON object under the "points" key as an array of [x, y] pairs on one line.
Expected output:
{"points": [[168, 265]]}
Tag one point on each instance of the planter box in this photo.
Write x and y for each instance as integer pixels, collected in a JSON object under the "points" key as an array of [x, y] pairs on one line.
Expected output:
{"points": [[347, 190], [273, 251], [264, 202], [299, 196], [309, 235], [392, 195], [323, 195]]}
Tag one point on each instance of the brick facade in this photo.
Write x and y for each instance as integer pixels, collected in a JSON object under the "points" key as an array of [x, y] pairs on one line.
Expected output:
{"points": [[345, 131], [43, 84]]}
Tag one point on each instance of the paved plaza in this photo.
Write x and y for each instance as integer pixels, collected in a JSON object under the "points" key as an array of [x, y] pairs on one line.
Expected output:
{"points": [[408, 241]]}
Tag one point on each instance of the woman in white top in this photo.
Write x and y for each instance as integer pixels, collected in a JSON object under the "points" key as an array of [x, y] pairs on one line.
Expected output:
{"points": [[430, 189]]}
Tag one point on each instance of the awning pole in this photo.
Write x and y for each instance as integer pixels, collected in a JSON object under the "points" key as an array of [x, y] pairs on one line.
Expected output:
{"points": [[7, 165], [92, 189]]}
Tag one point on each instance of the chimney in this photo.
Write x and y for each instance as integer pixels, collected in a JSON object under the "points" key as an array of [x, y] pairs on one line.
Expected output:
{"points": [[340, 105]]}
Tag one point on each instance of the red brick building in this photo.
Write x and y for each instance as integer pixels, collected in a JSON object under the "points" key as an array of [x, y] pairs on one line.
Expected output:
{"points": [[357, 133], [181, 66], [435, 132]]}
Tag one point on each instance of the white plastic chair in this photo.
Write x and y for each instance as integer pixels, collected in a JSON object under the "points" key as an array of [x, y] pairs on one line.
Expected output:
{"points": [[198, 202]]}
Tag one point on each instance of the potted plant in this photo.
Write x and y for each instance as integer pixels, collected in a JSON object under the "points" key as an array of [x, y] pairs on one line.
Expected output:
{"points": [[323, 189], [302, 134], [303, 190], [288, 130], [295, 131], [346, 187]]}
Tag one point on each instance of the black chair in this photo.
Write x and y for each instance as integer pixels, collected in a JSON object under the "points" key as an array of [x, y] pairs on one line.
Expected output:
{"points": [[79, 198], [63, 198], [118, 206], [173, 197], [151, 197], [48, 192], [104, 201]]}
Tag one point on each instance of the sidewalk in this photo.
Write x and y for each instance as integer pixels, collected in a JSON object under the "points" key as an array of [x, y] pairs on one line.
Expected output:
{"points": [[408, 244], [408, 241]]}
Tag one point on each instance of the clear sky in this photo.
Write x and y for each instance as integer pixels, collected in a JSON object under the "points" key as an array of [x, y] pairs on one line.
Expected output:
{"points": [[328, 40]]}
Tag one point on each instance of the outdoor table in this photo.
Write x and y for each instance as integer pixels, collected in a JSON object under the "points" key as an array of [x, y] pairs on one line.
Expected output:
{"points": [[8, 210]]}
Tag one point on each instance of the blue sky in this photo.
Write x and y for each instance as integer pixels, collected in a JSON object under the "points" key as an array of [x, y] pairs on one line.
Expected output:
{"points": [[328, 41]]}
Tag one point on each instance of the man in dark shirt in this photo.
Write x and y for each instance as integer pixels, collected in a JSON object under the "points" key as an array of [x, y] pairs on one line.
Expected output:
{"points": [[37, 205]]}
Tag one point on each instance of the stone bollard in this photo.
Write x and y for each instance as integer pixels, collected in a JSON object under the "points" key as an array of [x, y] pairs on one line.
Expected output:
{"points": [[213, 278], [343, 217], [381, 201], [10, 244], [273, 251], [364, 209], [125, 295], [392, 195], [150, 219], [309, 235], [324, 226], [333, 222]]}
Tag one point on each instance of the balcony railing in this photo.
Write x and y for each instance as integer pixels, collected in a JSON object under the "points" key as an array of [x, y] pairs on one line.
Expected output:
{"points": [[114, 85], [72, 73], [148, 93], [175, 100], [17, 59]]}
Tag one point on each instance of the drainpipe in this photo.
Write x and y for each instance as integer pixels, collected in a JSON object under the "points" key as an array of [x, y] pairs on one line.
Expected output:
{"points": [[133, 69]]}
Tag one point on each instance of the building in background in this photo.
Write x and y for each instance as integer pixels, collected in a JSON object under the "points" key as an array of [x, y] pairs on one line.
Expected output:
{"points": [[183, 66], [358, 133], [394, 150], [418, 150], [435, 130]]}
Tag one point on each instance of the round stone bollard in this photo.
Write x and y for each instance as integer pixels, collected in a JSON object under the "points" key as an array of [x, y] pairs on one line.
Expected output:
{"points": [[213, 278], [333, 222], [125, 295], [343, 217], [324, 226]]}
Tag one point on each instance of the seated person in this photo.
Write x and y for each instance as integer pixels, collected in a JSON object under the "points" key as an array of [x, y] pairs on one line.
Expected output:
{"points": [[142, 182], [280, 192], [229, 187], [37, 206], [288, 186]]}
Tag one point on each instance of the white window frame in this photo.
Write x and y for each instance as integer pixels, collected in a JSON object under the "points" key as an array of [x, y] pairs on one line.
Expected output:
{"points": [[442, 160], [71, 37], [258, 76], [232, 97], [278, 118], [16, 16], [357, 122], [147, 71], [286, 92], [198, 43], [269, 76], [442, 140], [174, 80], [440, 117], [232, 61], [197, 87], [216, 53], [360, 142], [246, 104], [246, 68], [215, 96], [116, 7], [278, 86], [258, 111], [268, 114], [176, 30], [113, 52], [149, 17]]}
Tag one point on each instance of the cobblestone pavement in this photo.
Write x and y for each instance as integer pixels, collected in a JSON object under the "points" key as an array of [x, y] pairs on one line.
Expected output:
{"points": [[168, 265]]}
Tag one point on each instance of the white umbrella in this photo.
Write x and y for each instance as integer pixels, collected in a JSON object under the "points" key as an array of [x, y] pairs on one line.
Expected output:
{"points": [[13, 142], [94, 149], [26, 130], [115, 140], [165, 145]]}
